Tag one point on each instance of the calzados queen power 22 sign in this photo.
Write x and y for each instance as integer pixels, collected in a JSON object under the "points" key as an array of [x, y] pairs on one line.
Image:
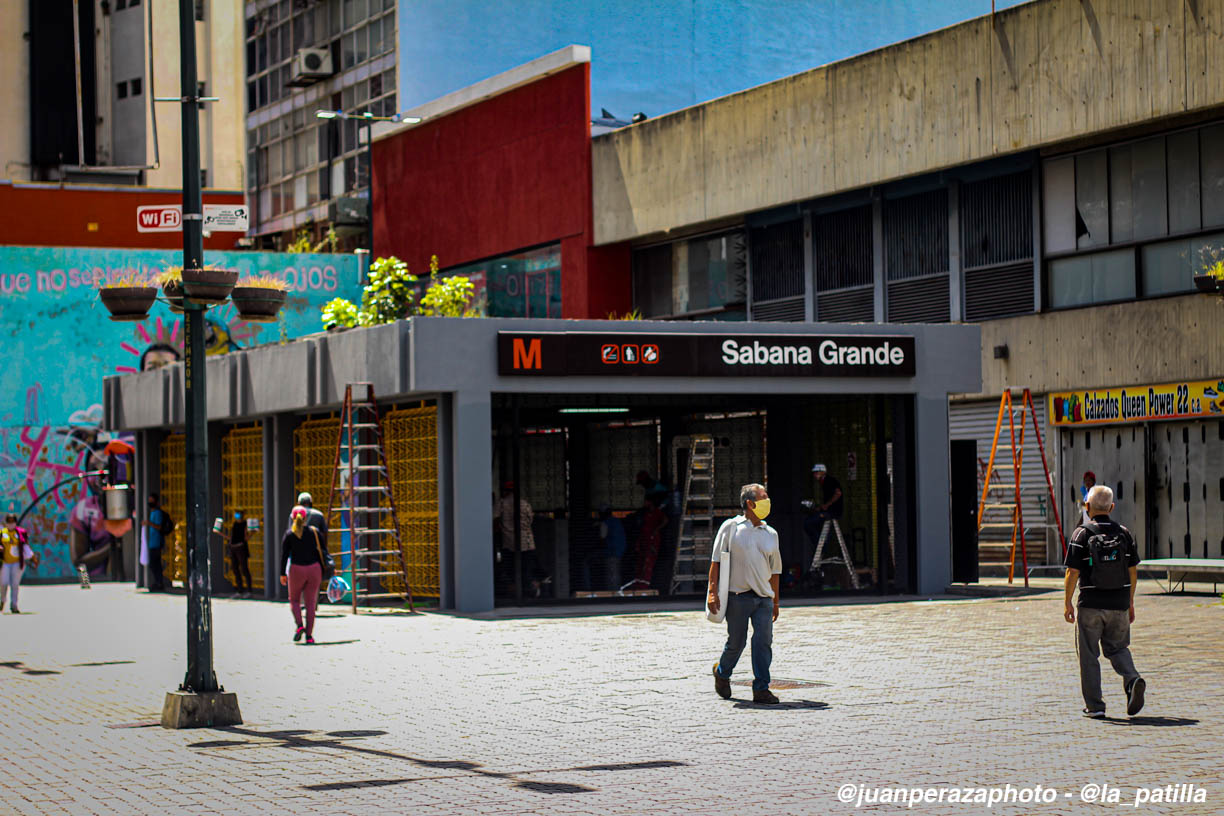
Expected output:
{"points": [[594, 354]]}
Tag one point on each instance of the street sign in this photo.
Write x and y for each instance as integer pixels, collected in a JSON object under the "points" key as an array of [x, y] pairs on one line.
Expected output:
{"points": [[159, 218], [226, 218], [169, 218]]}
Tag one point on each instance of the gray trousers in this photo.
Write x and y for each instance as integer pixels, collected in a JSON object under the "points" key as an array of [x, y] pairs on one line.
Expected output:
{"points": [[1097, 631]]}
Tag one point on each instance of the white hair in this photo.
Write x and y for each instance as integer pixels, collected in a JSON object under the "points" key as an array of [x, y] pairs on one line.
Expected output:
{"points": [[749, 492], [1100, 499]]}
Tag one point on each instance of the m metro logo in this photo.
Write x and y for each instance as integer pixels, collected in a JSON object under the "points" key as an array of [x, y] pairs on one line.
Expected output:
{"points": [[528, 353]]}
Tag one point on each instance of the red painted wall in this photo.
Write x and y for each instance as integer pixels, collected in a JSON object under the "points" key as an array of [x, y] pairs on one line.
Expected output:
{"points": [[502, 175], [50, 215]]}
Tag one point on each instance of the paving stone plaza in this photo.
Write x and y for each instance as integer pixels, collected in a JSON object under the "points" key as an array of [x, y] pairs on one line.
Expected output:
{"points": [[602, 711]]}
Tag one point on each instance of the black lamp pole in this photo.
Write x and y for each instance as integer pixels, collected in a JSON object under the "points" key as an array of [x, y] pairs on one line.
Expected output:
{"points": [[200, 677]]}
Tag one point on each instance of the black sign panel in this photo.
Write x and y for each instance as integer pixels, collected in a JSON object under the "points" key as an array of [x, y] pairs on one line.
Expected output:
{"points": [[587, 354]]}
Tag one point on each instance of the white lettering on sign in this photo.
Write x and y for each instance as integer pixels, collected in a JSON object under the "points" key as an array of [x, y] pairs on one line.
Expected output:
{"points": [[886, 355], [169, 218], [159, 218], [760, 354]]}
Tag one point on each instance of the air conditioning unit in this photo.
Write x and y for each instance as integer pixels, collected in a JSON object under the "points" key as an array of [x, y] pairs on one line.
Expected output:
{"points": [[310, 65], [348, 211]]}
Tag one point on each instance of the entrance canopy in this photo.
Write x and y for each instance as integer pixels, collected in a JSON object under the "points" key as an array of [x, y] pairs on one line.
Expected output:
{"points": [[478, 370]]}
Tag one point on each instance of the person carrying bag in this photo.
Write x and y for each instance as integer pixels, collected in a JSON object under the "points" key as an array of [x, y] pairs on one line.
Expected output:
{"points": [[304, 562]]}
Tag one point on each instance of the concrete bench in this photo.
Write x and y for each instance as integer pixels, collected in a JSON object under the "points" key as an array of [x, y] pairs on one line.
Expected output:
{"points": [[1179, 570]]}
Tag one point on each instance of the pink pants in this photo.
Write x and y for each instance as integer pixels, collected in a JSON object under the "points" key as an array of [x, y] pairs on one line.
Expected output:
{"points": [[304, 581]]}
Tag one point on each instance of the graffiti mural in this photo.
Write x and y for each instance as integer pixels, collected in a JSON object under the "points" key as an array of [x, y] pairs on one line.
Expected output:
{"points": [[60, 343]]}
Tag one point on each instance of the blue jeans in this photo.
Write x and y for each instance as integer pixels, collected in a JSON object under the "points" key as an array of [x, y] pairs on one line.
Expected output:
{"points": [[740, 609]]}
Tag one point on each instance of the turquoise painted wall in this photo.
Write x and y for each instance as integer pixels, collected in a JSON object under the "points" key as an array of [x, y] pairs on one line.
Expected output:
{"points": [[60, 342]]}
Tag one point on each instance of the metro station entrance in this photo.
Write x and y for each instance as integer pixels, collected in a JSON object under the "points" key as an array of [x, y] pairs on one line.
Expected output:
{"points": [[598, 482]]}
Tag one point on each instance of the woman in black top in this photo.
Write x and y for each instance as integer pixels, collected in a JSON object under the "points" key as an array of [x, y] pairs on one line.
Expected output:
{"points": [[301, 553]]}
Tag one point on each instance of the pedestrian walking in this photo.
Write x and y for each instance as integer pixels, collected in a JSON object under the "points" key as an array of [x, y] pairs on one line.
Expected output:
{"points": [[755, 567], [17, 553], [240, 554], [302, 559], [314, 518], [157, 525], [1103, 560], [1089, 483]]}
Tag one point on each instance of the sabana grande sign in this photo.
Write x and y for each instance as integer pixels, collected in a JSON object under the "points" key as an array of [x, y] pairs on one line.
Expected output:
{"points": [[559, 354]]}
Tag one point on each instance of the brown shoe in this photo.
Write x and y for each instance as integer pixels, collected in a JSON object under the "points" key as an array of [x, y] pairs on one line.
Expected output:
{"points": [[764, 696], [721, 684]]}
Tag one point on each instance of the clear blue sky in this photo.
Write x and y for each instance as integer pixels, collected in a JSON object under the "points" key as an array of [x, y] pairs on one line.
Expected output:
{"points": [[654, 57]]}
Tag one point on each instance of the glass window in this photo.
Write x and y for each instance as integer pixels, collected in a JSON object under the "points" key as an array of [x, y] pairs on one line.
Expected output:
{"points": [[1170, 267], [1091, 200], [361, 45], [1148, 184], [1211, 170], [275, 163], [691, 276], [376, 86], [525, 284], [389, 80], [135, 86], [250, 58], [1058, 212], [1121, 203], [312, 188], [121, 89], [1098, 278], [1184, 182], [375, 30], [350, 50]]}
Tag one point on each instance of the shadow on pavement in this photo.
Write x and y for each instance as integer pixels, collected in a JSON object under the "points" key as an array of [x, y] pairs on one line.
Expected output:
{"points": [[1157, 722], [331, 642], [21, 667], [101, 663], [336, 740], [785, 705]]}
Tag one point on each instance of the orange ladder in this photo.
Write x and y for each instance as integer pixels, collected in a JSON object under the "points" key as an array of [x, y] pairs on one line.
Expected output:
{"points": [[1016, 525]]}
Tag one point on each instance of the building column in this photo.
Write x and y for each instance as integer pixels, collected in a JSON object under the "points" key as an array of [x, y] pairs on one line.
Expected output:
{"points": [[446, 501], [471, 514], [279, 495], [931, 488], [877, 257]]}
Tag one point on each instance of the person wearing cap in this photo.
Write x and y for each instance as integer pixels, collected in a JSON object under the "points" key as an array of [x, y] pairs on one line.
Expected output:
{"points": [[314, 518], [755, 567], [1089, 483], [830, 506]]}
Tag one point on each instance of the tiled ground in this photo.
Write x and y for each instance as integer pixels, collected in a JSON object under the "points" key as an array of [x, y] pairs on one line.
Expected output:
{"points": [[594, 714]]}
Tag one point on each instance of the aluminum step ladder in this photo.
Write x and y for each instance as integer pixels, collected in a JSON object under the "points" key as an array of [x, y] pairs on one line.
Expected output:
{"points": [[696, 539], [361, 492], [845, 560], [1016, 416]]}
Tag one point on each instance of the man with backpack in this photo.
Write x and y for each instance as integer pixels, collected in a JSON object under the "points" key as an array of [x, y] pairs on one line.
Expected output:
{"points": [[158, 525], [1103, 560]]}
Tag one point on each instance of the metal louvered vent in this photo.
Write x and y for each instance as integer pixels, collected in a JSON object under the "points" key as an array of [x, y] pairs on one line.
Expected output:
{"points": [[777, 260], [1001, 291], [925, 300], [847, 306], [996, 219], [786, 310], [842, 251], [916, 235]]}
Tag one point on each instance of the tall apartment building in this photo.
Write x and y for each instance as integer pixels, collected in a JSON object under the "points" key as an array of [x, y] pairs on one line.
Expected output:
{"points": [[79, 131], [303, 56]]}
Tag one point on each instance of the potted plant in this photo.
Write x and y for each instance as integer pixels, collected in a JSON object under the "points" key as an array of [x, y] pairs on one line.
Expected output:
{"points": [[209, 284], [128, 297], [171, 281], [258, 298]]}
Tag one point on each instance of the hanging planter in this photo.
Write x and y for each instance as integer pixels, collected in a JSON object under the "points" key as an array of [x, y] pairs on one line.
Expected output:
{"points": [[128, 299], [1209, 283], [259, 299], [172, 287], [208, 285]]}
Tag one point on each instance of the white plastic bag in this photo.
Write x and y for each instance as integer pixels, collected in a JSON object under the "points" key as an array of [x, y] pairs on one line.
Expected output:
{"points": [[724, 579]]}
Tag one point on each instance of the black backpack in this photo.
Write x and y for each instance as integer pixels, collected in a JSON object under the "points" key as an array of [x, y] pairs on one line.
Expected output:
{"points": [[1107, 557], [167, 524]]}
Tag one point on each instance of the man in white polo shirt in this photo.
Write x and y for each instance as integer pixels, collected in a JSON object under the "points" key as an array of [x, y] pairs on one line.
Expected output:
{"points": [[752, 591]]}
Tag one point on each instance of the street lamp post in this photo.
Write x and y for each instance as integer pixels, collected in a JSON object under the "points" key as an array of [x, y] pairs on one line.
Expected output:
{"points": [[200, 701], [368, 119]]}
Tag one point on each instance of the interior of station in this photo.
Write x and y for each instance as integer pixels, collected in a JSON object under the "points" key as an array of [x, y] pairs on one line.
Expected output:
{"points": [[600, 482]]}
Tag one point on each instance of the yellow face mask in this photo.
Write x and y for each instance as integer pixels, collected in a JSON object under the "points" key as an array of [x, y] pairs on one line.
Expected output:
{"points": [[762, 509]]}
